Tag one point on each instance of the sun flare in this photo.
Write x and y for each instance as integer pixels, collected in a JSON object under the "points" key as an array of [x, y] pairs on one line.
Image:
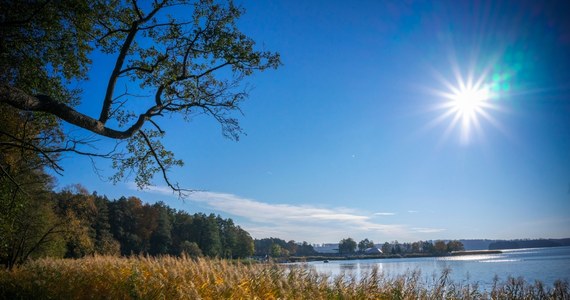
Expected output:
{"points": [[466, 103], [469, 101]]}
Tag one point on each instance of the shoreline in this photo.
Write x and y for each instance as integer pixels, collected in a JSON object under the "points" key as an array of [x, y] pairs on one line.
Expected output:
{"points": [[294, 259]]}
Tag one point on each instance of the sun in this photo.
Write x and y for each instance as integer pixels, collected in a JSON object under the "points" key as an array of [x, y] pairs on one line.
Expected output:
{"points": [[469, 101], [466, 102]]}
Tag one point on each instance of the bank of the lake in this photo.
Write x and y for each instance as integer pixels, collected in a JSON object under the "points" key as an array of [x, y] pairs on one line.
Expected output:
{"points": [[296, 259]]}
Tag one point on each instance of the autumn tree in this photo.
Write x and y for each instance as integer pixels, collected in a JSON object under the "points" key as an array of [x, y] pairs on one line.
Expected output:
{"points": [[440, 247], [78, 209], [28, 224], [171, 59]]}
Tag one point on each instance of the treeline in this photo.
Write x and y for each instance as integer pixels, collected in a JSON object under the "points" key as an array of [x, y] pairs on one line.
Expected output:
{"points": [[74, 224], [519, 244], [366, 246], [275, 247], [429, 247]]}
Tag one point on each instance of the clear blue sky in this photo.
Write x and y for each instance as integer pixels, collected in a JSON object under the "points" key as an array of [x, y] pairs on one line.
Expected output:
{"points": [[349, 137]]}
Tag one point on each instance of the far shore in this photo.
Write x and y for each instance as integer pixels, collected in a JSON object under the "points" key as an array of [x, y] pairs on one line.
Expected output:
{"points": [[382, 256]]}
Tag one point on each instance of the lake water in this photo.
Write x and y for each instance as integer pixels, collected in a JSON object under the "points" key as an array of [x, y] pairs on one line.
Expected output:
{"points": [[544, 264]]}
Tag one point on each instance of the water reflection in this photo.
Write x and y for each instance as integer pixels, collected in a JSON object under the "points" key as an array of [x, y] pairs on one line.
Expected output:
{"points": [[545, 264], [348, 267]]}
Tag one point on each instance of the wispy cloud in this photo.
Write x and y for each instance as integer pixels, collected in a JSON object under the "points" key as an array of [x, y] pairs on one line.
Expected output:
{"points": [[286, 213], [384, 214], [297, 221], [300, 222], [427, 230], [161, 190], [413, 211]]}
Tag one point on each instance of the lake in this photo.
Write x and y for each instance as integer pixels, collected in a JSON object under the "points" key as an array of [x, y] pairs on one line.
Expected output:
{"points": [[544, 264]]}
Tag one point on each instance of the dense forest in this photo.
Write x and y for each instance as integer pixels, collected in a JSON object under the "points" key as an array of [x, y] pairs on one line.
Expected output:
{"points": [[73, 223]]}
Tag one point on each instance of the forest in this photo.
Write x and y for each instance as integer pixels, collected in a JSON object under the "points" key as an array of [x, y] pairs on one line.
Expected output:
{"points": [[73, 223]]}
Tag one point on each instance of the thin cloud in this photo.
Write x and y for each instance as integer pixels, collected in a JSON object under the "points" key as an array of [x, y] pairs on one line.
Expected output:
{"points": [[304, 222], [295, 221], [427, 230], [413, 211], [266, 212], [384, 214], [161, 190]]}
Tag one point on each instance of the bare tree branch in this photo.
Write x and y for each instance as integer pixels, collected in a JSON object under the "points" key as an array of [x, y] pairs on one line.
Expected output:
{"points": [[175, 187]]}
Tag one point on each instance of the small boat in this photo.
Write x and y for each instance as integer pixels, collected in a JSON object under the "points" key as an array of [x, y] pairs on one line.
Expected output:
{"points": [[326, 261]]}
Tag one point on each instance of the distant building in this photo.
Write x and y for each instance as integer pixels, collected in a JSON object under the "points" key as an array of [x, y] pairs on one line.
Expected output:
{"points": [[326, 248], [373, 250]]}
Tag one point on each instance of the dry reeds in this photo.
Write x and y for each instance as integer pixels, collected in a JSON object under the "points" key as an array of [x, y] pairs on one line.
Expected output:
{"points": [[103, 277]]}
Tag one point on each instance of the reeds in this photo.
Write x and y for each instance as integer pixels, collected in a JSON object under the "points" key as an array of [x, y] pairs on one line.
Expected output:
{"points": [[103, 277]]}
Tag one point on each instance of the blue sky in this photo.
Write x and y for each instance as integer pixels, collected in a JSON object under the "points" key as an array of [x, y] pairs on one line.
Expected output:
{"points": [[353, 136]]}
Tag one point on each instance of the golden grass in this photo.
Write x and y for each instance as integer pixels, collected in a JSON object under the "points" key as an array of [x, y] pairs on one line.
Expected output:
{"points": [[102, 277]]}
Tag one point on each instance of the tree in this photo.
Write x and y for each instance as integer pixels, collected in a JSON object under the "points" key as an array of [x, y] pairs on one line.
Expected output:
{"points": [[305, 249], [190, 248], [244, 244], [427, 247], [264, 246], [346, 246], [125, 216], [292, 247], [33, 230], [28, 224], [77, 207], [276, 250], [161, 238], [206, 233], [455, 245], [105, 243], [228, 236], [415, 247], [396, 248], [181, 228], [386, 248], [440, 247], [170, 66], [365, 244]]}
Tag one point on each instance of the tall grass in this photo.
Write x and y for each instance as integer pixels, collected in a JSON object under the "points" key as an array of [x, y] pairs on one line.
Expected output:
{"points": [[184, 278]]}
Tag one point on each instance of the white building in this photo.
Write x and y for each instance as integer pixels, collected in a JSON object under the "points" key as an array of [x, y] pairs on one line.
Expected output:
{"points": [[326, 248]]}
